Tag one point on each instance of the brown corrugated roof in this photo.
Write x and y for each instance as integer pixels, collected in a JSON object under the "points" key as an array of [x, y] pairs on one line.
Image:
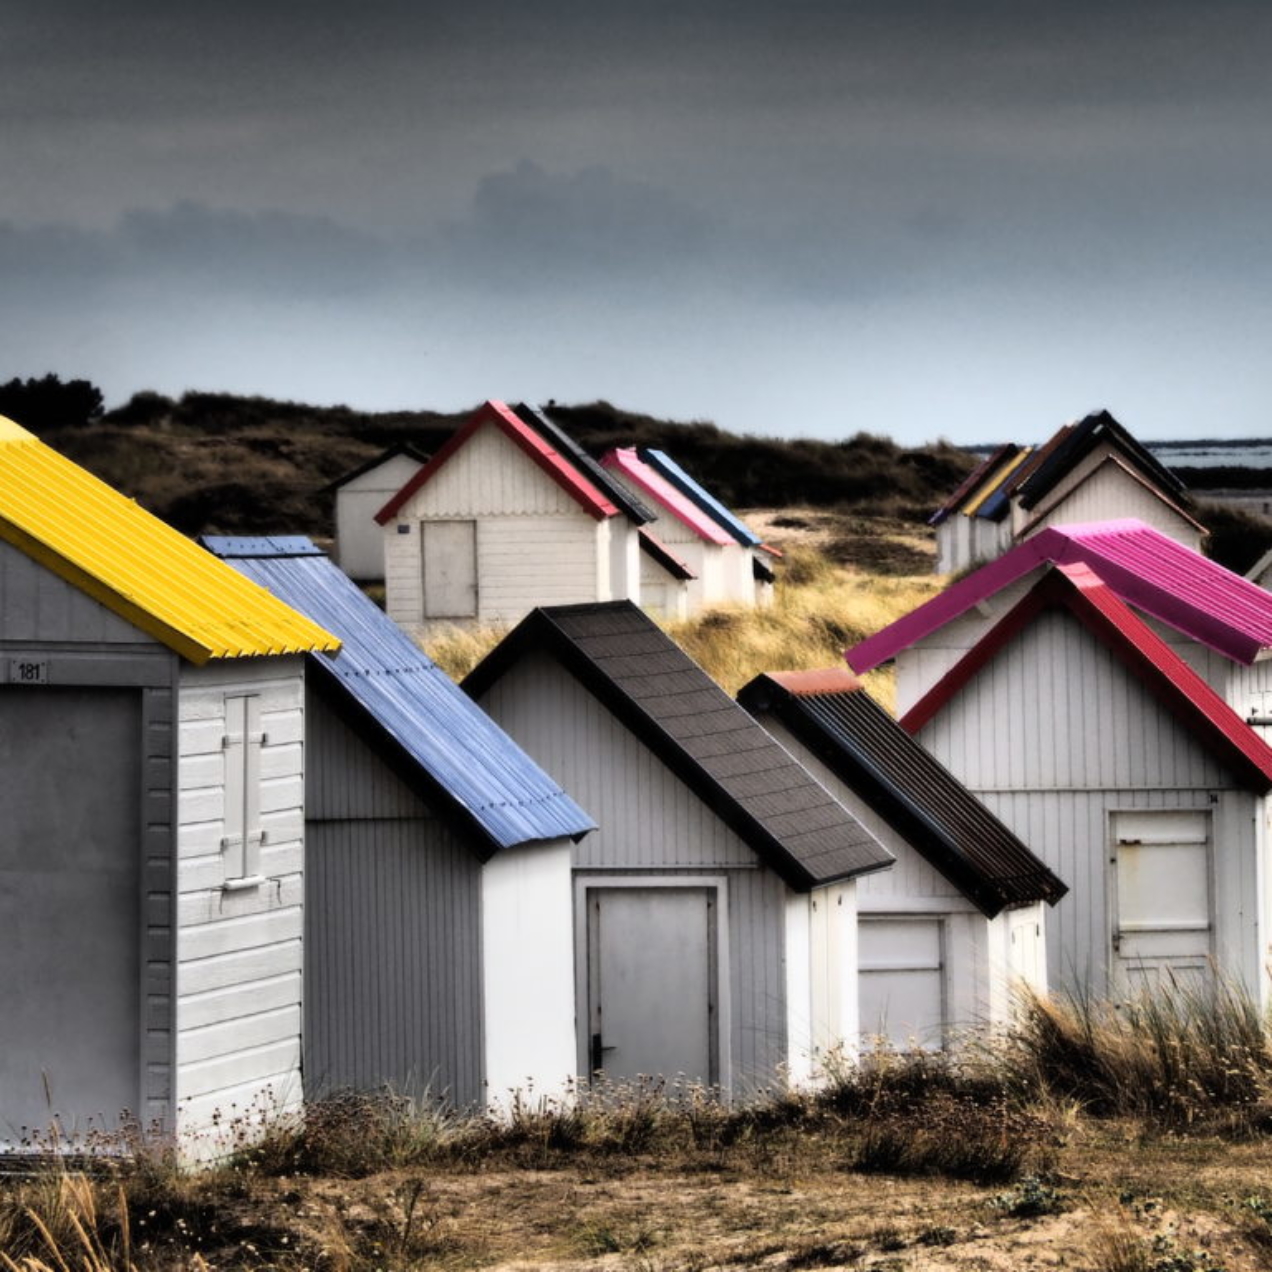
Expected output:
{"points": [[657, 691], [830, 714]]}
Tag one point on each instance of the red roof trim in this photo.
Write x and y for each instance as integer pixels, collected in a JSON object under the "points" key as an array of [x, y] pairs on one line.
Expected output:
{"points": [[1163, 672], [556, 465]]}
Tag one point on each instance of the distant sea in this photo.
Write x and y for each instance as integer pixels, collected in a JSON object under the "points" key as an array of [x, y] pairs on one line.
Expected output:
{"points": [[1246, 452]]}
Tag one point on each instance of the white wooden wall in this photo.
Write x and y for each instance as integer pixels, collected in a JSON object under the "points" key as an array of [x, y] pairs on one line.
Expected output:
{"points": [[651, 823], [239, 957], [974, 972], [1107, 492], [535, 545], [662, 593], [528, 973], [359, 539], [963, 541], [822, 1016], [1054, 735]]}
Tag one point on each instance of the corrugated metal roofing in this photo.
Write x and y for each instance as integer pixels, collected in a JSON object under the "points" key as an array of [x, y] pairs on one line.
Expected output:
{"points": [[973, 481], [660, 552], [667, 467], [105, 544], [1200, 710], [1146, 568], [831, 714], [664, 494], [555, 435], [1078, 441], [658, 692], [990, 500], [435, 730], [551, 461]]}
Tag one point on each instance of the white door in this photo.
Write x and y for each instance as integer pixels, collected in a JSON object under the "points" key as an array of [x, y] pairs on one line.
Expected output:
{"points": [[1162, 927], [449, 551], [652, 972], [902, 981], [70, 943]]}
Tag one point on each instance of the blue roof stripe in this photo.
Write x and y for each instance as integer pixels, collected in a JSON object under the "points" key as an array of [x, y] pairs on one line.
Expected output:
{"points": [[668, 468], [489, 778]]}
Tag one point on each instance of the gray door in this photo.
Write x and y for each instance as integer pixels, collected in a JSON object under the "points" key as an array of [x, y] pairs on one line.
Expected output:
{"points": [[652, 970], [70, 788], [1162, 925], [902, 981], [450, 568]]}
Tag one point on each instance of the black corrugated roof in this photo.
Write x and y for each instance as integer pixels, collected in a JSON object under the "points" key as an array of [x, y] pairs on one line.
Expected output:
{"points": [[557, 437], [922, 800], [398, 448], [658, 692], [1082, 438]]}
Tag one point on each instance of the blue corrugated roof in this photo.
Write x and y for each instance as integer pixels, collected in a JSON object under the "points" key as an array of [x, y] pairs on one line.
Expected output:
{"points": [[668, 468], [462, 754]]}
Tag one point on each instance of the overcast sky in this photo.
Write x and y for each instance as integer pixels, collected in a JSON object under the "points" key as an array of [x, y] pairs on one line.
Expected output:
{"points": [[970, 220]]}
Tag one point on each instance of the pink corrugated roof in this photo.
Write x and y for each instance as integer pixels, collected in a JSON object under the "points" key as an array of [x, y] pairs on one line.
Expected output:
{"points": [[658, 488], [1077, 587], [556, 465], [1144, 567]]}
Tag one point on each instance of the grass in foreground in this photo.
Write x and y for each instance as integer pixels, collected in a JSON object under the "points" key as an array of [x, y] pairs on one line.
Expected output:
{"points": [[1016, 1153]]}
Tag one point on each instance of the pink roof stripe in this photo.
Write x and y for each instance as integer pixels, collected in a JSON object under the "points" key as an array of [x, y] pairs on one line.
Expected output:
{"points": [[1183, 692], [556, 465], [1144, 567], [658, 488]]}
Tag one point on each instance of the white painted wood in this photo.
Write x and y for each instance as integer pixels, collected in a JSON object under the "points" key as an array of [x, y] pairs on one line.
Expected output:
{"points": [[653, 825], [902, 981], [835, 992], [359, 549], [626, 576], [801, 1060], [449, 555], [528, 972], [662, 593], [230, 943]]}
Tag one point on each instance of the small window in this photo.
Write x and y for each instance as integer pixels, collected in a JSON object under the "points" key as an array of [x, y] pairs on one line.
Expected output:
{"points": [[241, 843]]}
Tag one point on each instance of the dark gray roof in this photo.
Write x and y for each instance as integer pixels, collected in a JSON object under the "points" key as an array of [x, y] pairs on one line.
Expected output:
{"points": [[830, 714], [601, 478], [420, 721], [398, 448], [658, 692]]}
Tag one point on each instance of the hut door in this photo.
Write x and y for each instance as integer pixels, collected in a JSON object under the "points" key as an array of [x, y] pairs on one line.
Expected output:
{"points": [[652, 971], [70, 889], [450, 568], [902, 981], [1162, 915]]}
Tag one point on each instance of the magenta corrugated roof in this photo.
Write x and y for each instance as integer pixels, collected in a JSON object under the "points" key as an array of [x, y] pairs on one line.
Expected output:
{"points": [[1201, 711], [659, 489], [1145, 568]]}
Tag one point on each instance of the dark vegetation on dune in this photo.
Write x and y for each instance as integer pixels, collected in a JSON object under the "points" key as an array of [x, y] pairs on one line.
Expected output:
{"points": [[210, 462]]}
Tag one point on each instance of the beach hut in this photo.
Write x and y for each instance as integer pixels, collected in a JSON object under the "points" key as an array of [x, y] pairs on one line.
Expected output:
{"points": [[151, 821], [1097, 688], [955, 929], [715, 909], [721, 565], [438, 952], [753, 582], [508, 514], [359, 495], [1093, 470]]}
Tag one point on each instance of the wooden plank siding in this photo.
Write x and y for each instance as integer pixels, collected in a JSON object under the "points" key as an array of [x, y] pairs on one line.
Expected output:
{"points": [[238, 975], [1054, 735], [392, 929], [653, 825]]}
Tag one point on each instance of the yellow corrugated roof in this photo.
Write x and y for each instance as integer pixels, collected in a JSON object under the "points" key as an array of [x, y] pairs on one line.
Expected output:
{"points": [[105, 544], [1001, 475]]}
